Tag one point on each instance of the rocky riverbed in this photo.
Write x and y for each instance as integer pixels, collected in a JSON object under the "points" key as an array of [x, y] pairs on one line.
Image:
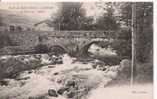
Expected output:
{"points": [[10, 64], [70, 80]]}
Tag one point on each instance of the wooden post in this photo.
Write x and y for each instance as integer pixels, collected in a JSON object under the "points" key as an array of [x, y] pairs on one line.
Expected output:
{"points": [[134, 32]]}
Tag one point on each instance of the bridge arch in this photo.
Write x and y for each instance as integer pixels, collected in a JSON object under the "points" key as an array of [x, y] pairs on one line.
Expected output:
{"points": [[58, 49], [84, 49]]}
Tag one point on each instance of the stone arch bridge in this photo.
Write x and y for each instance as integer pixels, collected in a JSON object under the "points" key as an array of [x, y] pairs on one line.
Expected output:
{"points": [[72, 42]]}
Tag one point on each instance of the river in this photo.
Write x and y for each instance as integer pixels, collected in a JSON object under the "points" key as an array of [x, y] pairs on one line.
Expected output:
{"points": [[72, 79]]}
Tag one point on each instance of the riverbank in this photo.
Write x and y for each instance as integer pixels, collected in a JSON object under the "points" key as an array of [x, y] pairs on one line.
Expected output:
{"points": [[137, 91]]}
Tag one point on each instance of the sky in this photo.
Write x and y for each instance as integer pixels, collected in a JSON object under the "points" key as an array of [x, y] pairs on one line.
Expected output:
{"points": [[41, 11]]}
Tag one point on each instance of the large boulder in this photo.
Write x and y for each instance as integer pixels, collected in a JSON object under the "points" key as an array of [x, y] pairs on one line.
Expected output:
{"points": [[10, 65], [125, 65], [52, 92]]}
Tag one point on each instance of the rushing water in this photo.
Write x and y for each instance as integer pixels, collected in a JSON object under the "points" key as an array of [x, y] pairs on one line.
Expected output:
{"points": [[35, 83]]}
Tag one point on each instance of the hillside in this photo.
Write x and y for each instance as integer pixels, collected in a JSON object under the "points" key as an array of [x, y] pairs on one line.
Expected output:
{"points": [[9, 17]]}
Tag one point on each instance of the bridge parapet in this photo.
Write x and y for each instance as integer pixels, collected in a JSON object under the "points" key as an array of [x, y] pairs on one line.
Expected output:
{"points": [[81, 34], [69, 40]]}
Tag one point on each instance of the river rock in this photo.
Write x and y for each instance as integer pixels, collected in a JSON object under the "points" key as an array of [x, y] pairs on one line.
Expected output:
{"points": [[56, 73], [3, 83], [125, 63], [62, 90], [125, 68], [70, 83], [52, 92], [71, 94], [11, 64], [38, 97]]}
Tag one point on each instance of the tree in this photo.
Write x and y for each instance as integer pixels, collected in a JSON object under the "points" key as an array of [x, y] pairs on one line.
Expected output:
{"points": [[144, 31], [72, 17], [113, 21], [126, 13], [144, 25], [108, 20]]}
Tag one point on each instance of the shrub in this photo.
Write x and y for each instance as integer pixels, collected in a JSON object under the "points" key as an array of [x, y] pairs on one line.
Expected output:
{"points": [[122, 44]]}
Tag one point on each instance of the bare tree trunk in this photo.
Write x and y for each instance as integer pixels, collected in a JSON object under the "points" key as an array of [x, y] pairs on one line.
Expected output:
{"points": [[134, 33]]}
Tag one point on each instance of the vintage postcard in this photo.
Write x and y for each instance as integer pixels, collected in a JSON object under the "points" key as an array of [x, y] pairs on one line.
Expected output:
{"points": [[76, 50]]}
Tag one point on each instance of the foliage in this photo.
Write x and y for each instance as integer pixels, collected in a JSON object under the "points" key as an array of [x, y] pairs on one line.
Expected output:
{"points": [[72, 17], [145, 72], [108, 21], [144, 31], [126, 14], [123, 44]]}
